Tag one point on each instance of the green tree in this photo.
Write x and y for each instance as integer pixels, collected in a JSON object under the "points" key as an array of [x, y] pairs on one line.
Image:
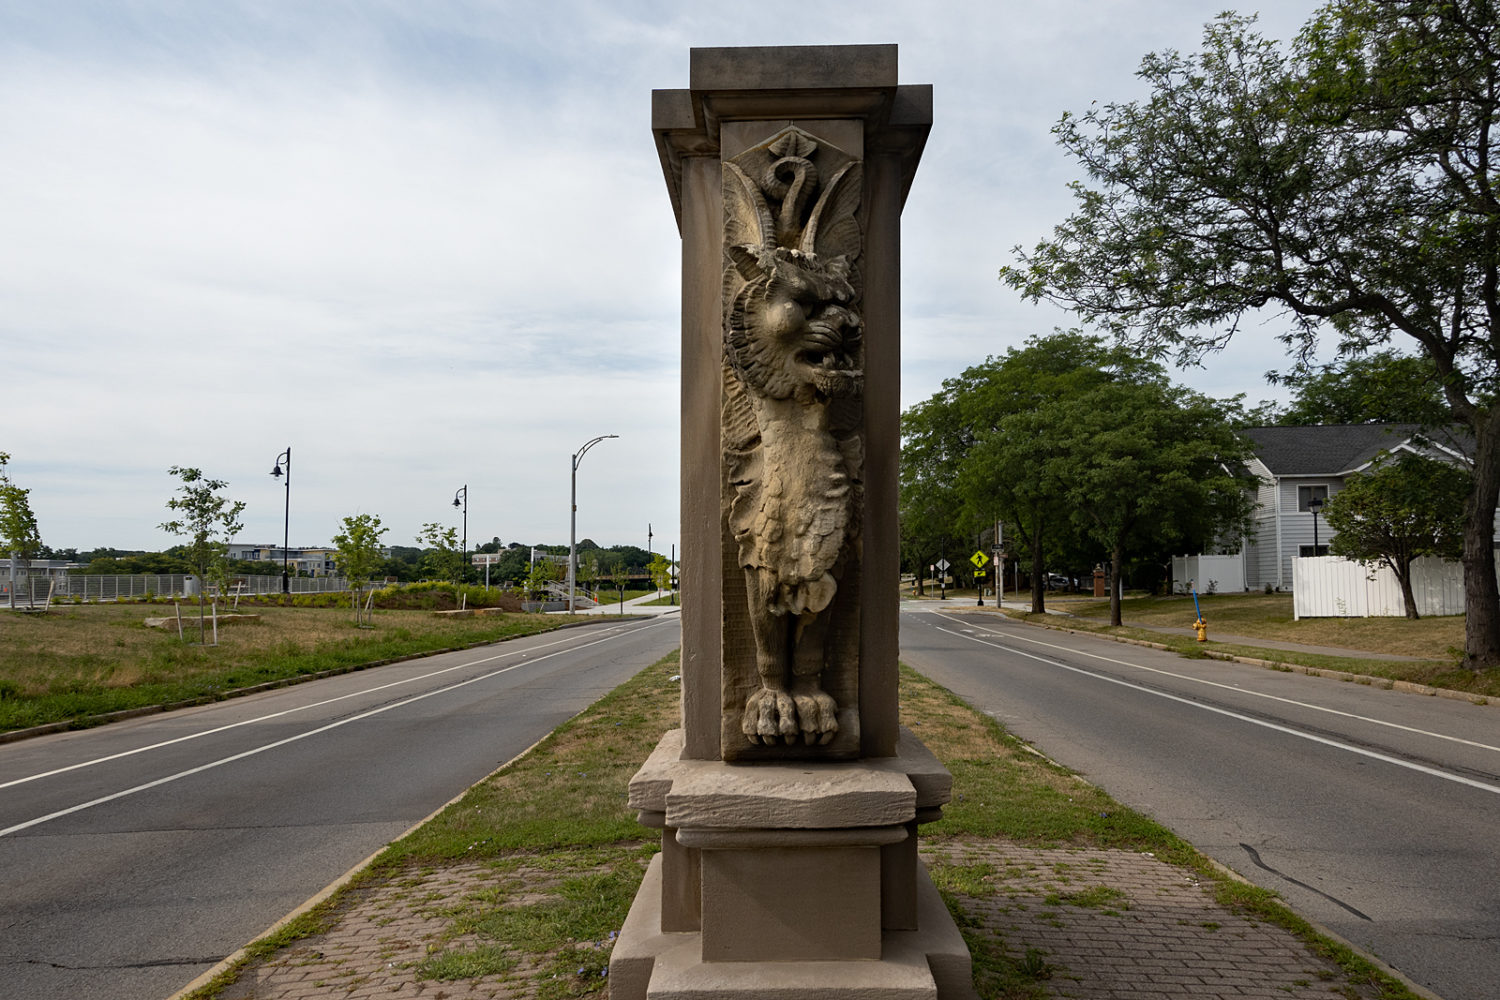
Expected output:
{"points": [[660, 570], [1379, 388], [209, 521], [359, 556], [1350, 184], [1400, 509], [540, 576], [443, 559], [1148, 468], [979, 449], [19, 534]]}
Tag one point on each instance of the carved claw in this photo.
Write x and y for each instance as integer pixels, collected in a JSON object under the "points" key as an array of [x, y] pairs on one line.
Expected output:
{"points": [[769, 715], [818, 715]]}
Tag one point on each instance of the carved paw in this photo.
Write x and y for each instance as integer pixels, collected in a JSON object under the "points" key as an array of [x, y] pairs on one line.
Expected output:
{"points": [[817, 715], [776, 715], [769, 715]]}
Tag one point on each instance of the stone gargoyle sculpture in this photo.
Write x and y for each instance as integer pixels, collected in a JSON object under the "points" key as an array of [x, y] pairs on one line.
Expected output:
{"points": [[792, 419]]}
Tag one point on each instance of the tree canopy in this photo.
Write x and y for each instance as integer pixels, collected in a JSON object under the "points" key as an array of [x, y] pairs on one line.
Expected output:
{"points": [[1379, 388], [1348, 183], [1086, 451]]}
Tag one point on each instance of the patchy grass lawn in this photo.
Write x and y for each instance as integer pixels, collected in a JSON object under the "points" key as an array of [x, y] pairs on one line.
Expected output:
{"points": [[1436, 642], [78, 662]]}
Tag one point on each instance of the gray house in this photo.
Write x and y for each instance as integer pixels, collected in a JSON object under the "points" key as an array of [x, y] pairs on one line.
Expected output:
{"points": [[1296, 465]]}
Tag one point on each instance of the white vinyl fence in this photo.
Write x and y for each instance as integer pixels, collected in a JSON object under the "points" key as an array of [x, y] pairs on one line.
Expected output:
{"points": [[1334, 587], [1208, 574]]}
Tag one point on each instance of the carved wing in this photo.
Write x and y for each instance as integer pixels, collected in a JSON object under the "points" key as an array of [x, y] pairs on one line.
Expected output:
{"points": [[747, 217], [833, 228]]}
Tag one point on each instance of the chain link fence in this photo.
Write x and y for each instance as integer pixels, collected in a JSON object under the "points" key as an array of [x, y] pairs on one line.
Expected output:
{"points": [[103, 587]]}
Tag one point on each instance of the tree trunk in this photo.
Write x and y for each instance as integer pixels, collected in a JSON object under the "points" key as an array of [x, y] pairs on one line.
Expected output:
{"points": [[1117, 557], [1038, 602], [1403, 577], [1481, 594]]}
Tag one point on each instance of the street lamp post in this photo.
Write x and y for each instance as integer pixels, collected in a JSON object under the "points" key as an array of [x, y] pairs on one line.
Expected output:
{"points": [[286, 524], [573, 518], [1315, 505], [463, 491]]}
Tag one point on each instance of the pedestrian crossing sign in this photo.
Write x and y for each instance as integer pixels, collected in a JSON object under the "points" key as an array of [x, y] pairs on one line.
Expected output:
{"points": [[979, 559]]}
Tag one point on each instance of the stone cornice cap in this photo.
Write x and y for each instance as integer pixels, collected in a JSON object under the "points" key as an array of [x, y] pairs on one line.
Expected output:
{"points": [[790, 82]]}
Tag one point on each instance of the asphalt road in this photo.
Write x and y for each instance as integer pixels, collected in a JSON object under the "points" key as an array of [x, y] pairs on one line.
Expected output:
{"points": [[1374, 813], [136, 856]]}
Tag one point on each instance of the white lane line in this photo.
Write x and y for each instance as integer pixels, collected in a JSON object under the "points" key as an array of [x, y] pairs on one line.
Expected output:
{"points": [[1373, 755], [289, 711], [292, 739], [1239, 690]]}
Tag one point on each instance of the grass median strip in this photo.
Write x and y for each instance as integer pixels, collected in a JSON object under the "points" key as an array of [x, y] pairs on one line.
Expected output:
{"points": [[517, 888], [80, 662]]}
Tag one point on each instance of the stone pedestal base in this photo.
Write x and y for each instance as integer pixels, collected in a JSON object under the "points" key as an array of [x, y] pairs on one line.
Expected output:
{"points": [[789, 880]]}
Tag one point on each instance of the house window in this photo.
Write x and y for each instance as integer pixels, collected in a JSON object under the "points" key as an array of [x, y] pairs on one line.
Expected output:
{"points": [[1306, 494], [1308, 550]]}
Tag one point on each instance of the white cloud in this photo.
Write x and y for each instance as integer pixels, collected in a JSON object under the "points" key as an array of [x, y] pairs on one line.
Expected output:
{"points": [[429, 244]]}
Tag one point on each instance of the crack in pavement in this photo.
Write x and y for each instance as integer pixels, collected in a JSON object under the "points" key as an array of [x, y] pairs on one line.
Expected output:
{"points": [[152, 964], [1255, 857]]}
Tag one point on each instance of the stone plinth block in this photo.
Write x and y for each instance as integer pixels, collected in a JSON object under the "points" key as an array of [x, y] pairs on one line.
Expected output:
{"points": [[782, 797]]}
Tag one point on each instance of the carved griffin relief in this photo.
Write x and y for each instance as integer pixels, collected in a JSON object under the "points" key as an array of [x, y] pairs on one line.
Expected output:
{"points": [[792, 419]]}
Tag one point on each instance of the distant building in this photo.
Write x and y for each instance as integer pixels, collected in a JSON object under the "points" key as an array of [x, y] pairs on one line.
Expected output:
{"points": [[312, 560]]}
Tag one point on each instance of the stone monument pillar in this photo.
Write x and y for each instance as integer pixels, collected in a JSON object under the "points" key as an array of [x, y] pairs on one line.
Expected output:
{"points": [[789, 800]]}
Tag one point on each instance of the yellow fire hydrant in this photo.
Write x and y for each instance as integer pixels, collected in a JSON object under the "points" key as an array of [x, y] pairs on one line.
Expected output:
{"points": [[1201, 627]]}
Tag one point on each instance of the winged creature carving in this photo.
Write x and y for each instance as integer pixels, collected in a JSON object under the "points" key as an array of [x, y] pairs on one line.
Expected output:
{"points": [[793, 375]]}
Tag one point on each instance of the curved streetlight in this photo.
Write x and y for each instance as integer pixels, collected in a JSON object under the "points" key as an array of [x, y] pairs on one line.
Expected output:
{"points": [[573, 520], [463, 491], [286, 586]]}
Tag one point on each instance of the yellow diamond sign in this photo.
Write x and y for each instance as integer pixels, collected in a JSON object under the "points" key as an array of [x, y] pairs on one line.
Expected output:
{"points": [[979, 559]]}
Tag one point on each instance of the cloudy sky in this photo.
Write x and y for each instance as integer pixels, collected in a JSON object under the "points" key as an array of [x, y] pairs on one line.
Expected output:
{"points": [[427, 244]]}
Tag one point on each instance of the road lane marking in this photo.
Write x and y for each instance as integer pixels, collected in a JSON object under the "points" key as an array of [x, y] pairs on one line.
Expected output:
{"points": [[292, 711], [1277, 727], [37, 821], [1238, 690]]}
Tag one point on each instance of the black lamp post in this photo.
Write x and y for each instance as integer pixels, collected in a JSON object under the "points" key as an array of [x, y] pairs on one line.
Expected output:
{"points": [[463, 491], [286, 584], [1315, 505]]}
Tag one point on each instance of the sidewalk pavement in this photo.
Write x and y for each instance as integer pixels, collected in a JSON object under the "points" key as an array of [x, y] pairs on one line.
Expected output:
{"points": [[635, 606], [1098, 924]]}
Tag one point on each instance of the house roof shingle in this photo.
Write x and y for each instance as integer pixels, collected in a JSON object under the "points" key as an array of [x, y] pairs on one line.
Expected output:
{"points": [[1333, 449]]}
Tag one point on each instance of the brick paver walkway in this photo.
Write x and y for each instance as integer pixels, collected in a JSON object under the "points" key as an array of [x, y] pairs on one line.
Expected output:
{"points": [[1109, 925]]}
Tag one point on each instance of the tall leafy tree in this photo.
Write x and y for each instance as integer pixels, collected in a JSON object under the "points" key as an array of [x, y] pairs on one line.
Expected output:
{"points": [[1148, 467], [978, 449], [19, 534], [1379, 388], [209, 521], [1402, 508], [1349, 183], [359, 556]]}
